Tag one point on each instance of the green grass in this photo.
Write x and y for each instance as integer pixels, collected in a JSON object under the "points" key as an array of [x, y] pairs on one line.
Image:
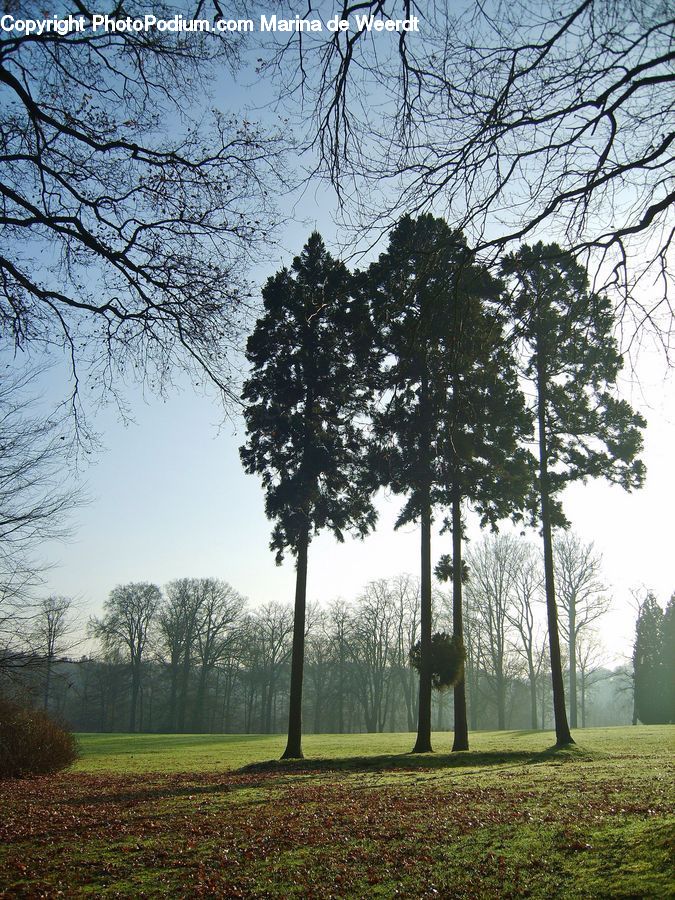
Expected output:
{"points": [[199, 815], [127, 753]]}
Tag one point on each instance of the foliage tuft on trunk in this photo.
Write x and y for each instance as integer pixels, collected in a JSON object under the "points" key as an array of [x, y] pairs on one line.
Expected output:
{"points": [[306, 396], [447, 660]]}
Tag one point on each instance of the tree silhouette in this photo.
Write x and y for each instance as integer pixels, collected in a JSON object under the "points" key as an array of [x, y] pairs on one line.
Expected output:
{"points": [[513, 116], [451, 413], [51, 627], [583, 430], [130, 612], [36, 500], [582, 597], [649, 670], [305, 394], [447, 659], [125, 223]]}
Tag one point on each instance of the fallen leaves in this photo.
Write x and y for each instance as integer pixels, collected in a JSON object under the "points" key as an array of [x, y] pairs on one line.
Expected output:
{"points": [[268, 833]]}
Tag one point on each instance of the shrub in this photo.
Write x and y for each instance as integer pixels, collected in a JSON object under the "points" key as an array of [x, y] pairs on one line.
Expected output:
{"points": [[31, 743]]}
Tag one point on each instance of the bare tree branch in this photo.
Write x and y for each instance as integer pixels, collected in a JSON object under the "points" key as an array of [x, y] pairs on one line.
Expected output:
{"points": [[128, 215]]}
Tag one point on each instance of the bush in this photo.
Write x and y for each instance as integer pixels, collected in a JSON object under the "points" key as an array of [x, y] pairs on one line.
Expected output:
{"points": [[447, 660], [31, 743]]}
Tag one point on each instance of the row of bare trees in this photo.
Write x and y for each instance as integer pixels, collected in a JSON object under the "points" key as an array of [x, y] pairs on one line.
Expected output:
{"points": [[195, 657], [505, 630]]}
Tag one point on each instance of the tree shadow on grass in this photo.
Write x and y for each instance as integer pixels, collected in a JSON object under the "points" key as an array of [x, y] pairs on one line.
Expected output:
{"points": [[269, 774], [468, 759], [190, 785]]}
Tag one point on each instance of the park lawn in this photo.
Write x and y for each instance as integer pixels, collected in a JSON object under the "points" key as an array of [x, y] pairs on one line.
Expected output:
{"points": [[204, 815]]}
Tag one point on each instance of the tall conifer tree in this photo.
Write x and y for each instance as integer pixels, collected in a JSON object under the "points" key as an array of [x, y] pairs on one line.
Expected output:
{"points": [[653, 658], [451, 414], [583, 430], [305, 394]]}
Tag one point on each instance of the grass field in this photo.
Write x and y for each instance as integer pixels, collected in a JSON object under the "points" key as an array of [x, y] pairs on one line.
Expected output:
{"points": [[201, 815]]}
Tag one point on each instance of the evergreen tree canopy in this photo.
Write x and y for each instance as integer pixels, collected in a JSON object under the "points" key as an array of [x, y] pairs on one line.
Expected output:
{"points": [[304, 397], [306, 393], [448, 376], [568, 332], [653, 663], [451, 415], [447, 660], [583, 431], [444, 571]]}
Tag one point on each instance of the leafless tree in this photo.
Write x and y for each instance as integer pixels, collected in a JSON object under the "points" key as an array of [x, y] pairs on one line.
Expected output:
{"points": [[177, 625], [405, 593], [529, 642], [591, 657], [582, 597], [127, 213], [490, 590], [36, 500], [319, 668], [473, 664], [268, 648], [518, 118], [371, 645], [126, 625], [339, 618], [219, 610], [199, 629], [51, 627]]}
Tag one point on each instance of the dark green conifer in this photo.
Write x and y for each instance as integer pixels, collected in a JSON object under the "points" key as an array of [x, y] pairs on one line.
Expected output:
{"points": [[451, 414], [305, 398], [583, 430], [653, 662]]}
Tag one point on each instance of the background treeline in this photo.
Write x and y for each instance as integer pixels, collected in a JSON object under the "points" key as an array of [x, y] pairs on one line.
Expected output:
{"points": [[196, 657]]}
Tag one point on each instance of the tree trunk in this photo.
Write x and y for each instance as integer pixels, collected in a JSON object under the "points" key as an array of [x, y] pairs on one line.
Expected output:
{"points": [[150, 705], [200, 700], [184, 685], [461, 738], [583, 699], [500, 688], [269, 704], [294, 745], [48, 678], [533, 699], [471, 687], [562, 731], [408, 694], [227, 702], [173, 698], [423, 742], [135, 684], [341, 697], [440, 710], [318, 701], [573, 662], [250, 702]]}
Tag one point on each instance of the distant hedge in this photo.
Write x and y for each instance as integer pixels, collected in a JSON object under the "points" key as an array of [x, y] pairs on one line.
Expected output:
{"points": [[31, 743]]}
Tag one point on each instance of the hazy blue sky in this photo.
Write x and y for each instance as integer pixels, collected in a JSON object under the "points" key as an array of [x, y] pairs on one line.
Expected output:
{"points": [[169, 497]]}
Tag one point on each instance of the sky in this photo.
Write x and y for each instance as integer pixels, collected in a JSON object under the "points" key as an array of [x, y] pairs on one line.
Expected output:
{"points": [[169, 498]]}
